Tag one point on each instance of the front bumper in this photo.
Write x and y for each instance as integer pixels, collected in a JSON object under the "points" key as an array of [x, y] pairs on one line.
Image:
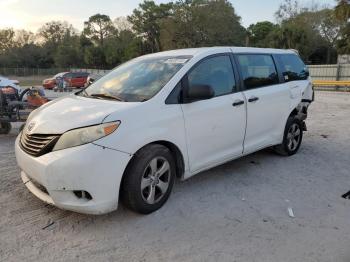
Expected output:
{"points": [[55, 177]]}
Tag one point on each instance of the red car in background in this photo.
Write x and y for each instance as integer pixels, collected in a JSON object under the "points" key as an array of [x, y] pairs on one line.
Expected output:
{"points": [[76, 79], [50, 83], [73, 79]]}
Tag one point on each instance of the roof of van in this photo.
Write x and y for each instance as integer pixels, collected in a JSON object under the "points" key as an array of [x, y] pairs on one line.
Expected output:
{"points": [[198, 51]]}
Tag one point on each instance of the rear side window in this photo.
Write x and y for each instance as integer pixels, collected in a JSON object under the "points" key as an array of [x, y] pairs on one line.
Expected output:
{"points": [[83, 74], [78, 75], [257, 70], [293, 68], [215, 71]]}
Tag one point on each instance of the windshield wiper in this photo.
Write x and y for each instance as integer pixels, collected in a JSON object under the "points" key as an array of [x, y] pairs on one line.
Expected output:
{"points": [[108, 97], [84, 92]]}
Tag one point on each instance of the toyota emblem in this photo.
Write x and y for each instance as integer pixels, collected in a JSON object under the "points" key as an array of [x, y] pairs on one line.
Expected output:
{"points": [[30, 126]]}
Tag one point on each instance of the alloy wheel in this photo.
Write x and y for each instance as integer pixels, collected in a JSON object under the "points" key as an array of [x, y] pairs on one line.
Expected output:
{"points": [[155, 180], [293, 137]]}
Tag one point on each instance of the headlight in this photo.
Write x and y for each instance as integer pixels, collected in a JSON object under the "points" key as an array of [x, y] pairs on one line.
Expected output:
{"points": [[85, 135]]}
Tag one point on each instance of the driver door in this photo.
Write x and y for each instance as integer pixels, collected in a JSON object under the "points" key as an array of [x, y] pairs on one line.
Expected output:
{"points": [[215, 127]]}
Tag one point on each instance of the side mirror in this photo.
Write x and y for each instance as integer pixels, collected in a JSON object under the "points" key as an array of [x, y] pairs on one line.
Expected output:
{"points": [[305, 73], [199, 92]]}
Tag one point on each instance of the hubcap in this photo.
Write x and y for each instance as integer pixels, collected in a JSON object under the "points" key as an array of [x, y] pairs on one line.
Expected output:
{"points": [[293, 137], [155, 180]]}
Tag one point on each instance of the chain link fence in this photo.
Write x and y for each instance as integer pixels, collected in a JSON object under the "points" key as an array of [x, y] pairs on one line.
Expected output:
{"points": [[31, 72]]}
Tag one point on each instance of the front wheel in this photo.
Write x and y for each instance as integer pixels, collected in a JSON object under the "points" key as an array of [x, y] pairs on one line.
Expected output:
{"points": [[293, 135], [149, 179]]}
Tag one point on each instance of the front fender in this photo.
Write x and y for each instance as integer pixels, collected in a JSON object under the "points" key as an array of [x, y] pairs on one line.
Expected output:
{"points": [[141, 127]]}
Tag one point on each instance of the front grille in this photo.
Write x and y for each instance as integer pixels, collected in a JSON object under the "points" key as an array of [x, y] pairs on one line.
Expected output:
{"points": [[38, 144]]}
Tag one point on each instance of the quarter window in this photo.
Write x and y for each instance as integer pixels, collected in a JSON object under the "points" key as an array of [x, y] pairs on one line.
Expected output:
{"points": [[293, 68], [216, 72], [257, 70]]}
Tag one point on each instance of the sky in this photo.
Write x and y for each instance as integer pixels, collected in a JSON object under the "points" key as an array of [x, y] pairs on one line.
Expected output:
{"points": [[31, 14]]}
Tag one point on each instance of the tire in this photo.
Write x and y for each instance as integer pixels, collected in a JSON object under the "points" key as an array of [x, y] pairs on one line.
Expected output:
{"points": [[5, 127], [292, 138], [25, 91], [143, 179]]}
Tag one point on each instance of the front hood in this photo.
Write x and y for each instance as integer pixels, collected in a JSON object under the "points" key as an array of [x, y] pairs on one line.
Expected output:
{"points": [[70, 112]]}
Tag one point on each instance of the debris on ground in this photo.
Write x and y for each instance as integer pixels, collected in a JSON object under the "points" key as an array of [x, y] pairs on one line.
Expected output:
{"points": [[290, 212], [48, 225], [346, 195]]}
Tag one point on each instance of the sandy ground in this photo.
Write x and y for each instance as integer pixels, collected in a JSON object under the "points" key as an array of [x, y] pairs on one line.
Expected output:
{"points": [[235, 212]]}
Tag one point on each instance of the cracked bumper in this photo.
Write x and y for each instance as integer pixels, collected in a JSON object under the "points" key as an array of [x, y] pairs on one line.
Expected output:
{"points": [[54, 177]]}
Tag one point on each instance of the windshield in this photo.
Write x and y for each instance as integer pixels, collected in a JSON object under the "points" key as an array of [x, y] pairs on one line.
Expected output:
{"points": [[137, 80]]}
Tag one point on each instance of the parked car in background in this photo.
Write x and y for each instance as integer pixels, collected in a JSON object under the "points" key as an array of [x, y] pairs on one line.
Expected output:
{"points": [[50, 83], [93, 77], [73, 79], [76, 79], [160, 117]]}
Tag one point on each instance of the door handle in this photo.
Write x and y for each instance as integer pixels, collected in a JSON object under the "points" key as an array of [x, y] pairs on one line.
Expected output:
{"points": [[253, 99], [238, 103]]}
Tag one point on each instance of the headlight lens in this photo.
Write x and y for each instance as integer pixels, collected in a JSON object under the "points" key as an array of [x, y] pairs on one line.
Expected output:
{"points": [[85, 135]]}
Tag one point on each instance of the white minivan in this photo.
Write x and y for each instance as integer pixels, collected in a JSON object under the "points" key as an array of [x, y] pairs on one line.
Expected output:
{"points": [[160, 117]]}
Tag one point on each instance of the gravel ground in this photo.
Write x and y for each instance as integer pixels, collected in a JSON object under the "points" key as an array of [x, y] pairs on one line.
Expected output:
{"points": [[235, 212]]}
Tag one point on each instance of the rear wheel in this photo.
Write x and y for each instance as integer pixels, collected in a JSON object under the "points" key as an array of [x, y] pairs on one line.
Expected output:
{"points": [[293, 135], [5, 127], [149, 179]]}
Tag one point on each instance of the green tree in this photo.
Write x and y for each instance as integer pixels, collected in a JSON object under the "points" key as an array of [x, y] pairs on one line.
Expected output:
{"points": [[98, 28], [288, 9], [308, 29], [291, 36], [259, 33], [202, 23], [342, 14], [29, 55], [69, 53], [329, 27], [121, 48], [146, 22], [343, 44], [6, 39], [23, 37], [121, 23], [55, 31], [94, 56], [342, 10], [52, 35]]}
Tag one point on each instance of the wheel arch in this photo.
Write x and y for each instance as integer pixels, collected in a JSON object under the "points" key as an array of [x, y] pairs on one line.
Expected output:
{"points": [[175, 151], [300, 112], [293, 113]]}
